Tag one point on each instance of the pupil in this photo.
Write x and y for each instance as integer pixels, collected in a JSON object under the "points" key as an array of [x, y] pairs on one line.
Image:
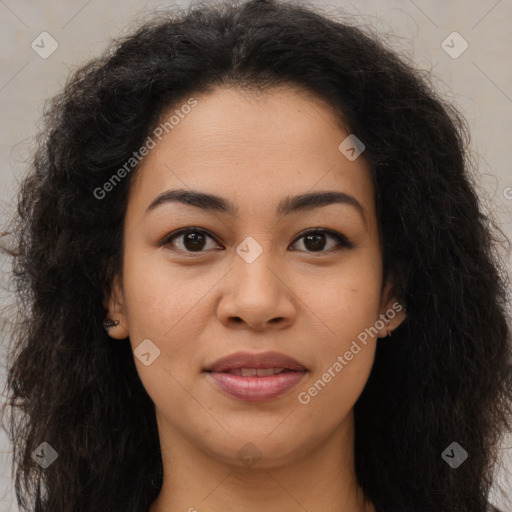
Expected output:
{"points": [[320, 243], [193, 238]]}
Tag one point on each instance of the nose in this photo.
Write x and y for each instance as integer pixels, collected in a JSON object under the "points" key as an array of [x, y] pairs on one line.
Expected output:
{"points": [[257, 295]]}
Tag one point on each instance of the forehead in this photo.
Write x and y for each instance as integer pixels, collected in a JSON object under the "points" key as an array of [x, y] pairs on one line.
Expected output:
{"points": [[253, 149]]}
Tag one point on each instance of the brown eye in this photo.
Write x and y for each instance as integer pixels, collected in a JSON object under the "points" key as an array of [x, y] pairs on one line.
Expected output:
{"points": [[192, 239], [315, 240]]}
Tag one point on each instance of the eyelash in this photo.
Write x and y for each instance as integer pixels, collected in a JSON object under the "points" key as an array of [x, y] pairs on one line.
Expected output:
{"points": [[343, 241]]}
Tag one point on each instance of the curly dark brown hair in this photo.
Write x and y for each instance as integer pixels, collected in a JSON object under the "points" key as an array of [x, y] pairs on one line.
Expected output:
{"points": [[445, 374]]}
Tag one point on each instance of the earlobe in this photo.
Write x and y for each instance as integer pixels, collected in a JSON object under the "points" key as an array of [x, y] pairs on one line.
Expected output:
{"points": [[391, 318], [115, 320], [393, 313]]}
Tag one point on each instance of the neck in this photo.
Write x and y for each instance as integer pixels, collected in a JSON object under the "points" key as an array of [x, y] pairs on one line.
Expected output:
{"points": [[320, 478]]}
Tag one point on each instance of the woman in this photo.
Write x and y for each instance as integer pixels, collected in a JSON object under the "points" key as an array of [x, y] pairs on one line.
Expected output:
{"points": [[255, 275]]}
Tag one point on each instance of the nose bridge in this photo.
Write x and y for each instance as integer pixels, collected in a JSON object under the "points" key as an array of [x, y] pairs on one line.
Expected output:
{"points": [[254, 262]]}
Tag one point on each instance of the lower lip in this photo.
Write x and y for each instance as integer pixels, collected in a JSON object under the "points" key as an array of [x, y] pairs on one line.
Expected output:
{"points": [[255, 389]]}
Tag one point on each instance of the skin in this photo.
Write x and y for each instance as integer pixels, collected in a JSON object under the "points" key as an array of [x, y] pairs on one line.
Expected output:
{"points": [[199, 306]]}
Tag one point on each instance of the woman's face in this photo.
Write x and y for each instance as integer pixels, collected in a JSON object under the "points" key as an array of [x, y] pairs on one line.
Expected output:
{"points": [[251, 280]]}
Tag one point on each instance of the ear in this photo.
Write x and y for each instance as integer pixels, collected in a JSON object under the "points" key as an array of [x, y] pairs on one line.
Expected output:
{"points": [[114, 304], [392, 312]]}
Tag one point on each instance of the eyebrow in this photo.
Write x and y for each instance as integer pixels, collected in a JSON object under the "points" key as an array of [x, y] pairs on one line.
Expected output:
{"points": [[287, 206]]}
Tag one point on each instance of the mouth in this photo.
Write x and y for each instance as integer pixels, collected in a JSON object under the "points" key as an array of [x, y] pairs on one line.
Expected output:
{"points": [[255, 377]]}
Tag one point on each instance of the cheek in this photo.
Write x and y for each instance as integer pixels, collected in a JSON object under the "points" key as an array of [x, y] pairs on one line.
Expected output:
{"points": [[160, 305], [350, 334], [169, 307], [345, 352], [347, 297], [159, 295], [348, 305]]}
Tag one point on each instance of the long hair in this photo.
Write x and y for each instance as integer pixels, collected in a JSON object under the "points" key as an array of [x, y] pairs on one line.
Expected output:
{"points": [[444, 376]]}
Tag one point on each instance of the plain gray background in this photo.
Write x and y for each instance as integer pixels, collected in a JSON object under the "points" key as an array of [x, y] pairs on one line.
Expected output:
{"points": [[478, 80]]}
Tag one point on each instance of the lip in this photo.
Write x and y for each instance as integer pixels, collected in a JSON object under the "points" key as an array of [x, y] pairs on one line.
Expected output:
{"points": [[254, 388], [255, 360]]}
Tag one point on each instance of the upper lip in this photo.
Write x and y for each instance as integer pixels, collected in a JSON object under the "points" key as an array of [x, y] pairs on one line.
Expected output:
{"points": [[258, 360]]}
